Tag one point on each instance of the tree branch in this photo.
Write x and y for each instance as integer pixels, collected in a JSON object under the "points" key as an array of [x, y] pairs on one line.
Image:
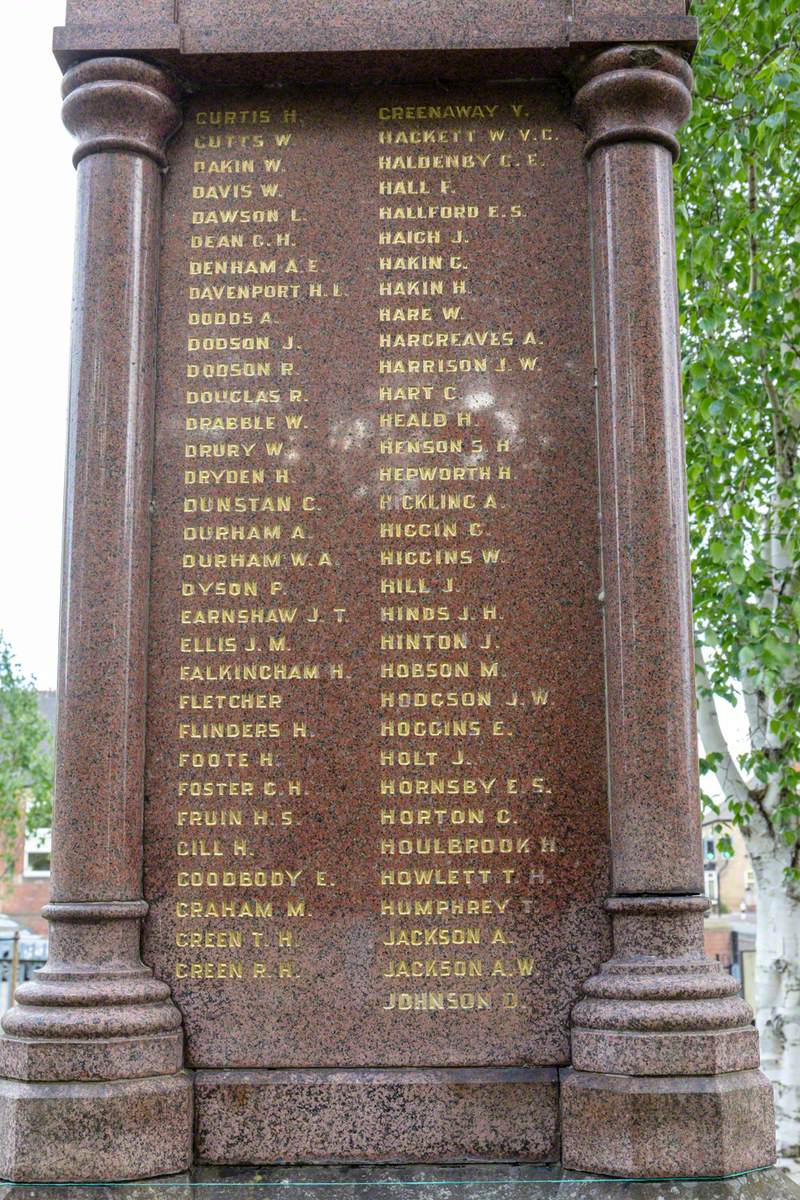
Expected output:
{"points": [[752, 204], [729, 777], [753, 707]]}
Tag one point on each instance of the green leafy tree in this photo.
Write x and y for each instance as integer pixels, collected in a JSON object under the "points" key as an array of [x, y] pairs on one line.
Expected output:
{"points": [[26, 761], [738, 197]]}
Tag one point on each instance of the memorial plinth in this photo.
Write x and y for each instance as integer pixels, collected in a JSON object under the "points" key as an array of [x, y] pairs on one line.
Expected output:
{"points": [[377, 826]]}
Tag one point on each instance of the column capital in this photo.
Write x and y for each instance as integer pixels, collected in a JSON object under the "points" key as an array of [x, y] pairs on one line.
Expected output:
{"points": [[633, 94], [120, 104]]}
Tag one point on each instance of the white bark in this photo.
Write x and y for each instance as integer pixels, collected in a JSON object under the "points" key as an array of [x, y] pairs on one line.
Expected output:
{"points": [[777, 930], [755, 710], [734, 785], [778, 989]]}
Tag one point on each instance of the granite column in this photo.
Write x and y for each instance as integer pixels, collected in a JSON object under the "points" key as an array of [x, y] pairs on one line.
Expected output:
{"points": [[665, 1056], [91, 1055]]}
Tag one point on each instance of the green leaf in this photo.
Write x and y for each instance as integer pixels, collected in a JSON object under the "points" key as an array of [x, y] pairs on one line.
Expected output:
{"points": [[738, 218], [26, 764]]}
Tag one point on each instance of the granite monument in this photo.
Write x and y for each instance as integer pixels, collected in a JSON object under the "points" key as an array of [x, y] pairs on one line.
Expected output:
{"points": [[377, 827]]}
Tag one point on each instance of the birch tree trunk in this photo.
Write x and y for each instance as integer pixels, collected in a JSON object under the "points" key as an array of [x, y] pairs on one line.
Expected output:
{"points": [[778, 986], [778, 917]]}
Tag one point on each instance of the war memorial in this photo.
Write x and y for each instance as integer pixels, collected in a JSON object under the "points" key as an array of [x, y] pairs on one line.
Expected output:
{"points": [[376, 836]]}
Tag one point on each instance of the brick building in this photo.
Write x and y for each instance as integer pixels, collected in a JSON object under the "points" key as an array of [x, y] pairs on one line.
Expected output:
{"points": [[27, 888]]}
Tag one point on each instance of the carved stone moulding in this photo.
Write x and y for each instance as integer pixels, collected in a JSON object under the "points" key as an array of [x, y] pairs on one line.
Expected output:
{"points": [[92, 1085], [664, 1052], [665, 1077]]}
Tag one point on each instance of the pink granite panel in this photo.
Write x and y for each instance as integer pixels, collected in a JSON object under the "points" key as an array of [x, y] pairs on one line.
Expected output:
{"points": [[377, 1116], [607, 9], [103, 12], [370, 25], [376, 826]]}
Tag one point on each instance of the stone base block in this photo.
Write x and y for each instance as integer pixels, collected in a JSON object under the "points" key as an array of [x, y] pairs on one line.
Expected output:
{"points": [[91, 1132], [88, 1059], [649, 1052], [663, 1127], [436, 1115]]}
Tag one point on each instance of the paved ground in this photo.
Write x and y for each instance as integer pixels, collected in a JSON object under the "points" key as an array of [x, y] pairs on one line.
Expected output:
{"points": [[411, 1183]]}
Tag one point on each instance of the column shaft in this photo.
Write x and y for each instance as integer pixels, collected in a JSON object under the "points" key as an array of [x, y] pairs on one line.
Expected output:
{"points": [[664, 1050], [652, 739], [97, 828], [91, 1054]]}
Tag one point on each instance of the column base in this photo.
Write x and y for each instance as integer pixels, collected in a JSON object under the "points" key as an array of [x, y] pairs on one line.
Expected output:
{"points": [[65, 1060], [665, 1078], [92, 1086], [94, 1132], [666, 1126]]}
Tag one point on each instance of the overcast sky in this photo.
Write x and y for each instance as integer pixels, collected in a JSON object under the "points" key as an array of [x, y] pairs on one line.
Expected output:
{"points": [[37, 199]]}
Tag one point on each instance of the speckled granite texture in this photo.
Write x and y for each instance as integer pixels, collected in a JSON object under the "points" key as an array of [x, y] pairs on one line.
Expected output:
{"points": [[631, 113], [667, 1079], [216, 41], [658, 1019], [383, 1116], [707, 1125], [92, 1048], [124, 1129], [335, 1009]]}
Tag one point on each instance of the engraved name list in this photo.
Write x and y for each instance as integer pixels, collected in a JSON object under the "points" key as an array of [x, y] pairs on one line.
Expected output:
{"points": [[375, 679]]}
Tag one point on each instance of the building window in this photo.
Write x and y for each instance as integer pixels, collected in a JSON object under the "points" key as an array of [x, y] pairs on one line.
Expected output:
{"points": [[712, 885], [36, 863]]}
